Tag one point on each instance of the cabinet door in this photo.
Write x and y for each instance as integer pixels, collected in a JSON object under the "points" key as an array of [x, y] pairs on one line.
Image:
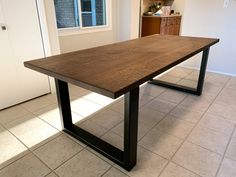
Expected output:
{"points": [[164, 27], [150, 26], [177, 26], [20, 41]]}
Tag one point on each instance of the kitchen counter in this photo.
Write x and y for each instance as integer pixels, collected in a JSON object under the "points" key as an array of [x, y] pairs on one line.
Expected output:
{"points": [[160, 16]]}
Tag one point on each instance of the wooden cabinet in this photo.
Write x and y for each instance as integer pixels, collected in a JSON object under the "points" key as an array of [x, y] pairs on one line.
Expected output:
{"points": [[160, 25]]}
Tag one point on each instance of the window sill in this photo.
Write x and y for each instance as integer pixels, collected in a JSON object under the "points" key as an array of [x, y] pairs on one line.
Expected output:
{"points": [[77, 31]]}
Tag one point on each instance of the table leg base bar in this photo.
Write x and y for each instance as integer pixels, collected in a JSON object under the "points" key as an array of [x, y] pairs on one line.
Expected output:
{"points": [[175, 86], [97, 144]]}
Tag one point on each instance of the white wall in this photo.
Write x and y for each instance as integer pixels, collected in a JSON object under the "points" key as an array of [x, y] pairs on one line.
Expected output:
{"points": [[210, 19], [127, 19], [82, 41], [179, 6], [125, 26]]}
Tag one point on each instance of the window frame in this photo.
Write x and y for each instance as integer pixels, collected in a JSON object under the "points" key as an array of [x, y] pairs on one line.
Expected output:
{"points": [[89, 29]]}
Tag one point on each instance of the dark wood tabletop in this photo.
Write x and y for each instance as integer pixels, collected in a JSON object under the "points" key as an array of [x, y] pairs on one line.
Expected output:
{"points": [[115, 69]]}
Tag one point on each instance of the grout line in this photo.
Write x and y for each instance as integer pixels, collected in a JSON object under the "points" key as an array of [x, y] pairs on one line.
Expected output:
{"points": [[185, 140], [186, 169], [121, 171], [166, 114], [223, 156], [218, 170], [52, 172], [195, 125], [67, 160], [106, 171]]}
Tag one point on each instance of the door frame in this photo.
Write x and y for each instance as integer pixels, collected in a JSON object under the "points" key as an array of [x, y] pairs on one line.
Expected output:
{"points": [[49, 32]]}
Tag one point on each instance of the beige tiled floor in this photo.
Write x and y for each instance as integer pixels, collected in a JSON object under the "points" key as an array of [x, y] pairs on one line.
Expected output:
{"points": [[180, 135]]}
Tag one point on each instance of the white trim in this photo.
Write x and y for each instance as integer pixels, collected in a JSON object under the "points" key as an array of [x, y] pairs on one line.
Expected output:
{"points": [[44, 27], [90, 29], [49, 33], [210, 70], [73, 31]]}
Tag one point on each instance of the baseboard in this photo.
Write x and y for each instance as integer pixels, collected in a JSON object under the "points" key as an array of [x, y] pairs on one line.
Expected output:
{"points": [[212, 71]]}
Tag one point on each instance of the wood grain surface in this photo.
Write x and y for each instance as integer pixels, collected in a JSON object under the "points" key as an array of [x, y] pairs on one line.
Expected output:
{"points": [[114, 69]]}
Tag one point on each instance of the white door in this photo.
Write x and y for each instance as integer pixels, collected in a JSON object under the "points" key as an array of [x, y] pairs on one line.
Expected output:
{"points": [[19, 42]]}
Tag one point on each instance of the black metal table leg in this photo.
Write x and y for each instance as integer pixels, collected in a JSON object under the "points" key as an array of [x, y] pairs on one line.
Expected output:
{"points": [[195, 91], [131, 128], [126, 158], [64, 103]]}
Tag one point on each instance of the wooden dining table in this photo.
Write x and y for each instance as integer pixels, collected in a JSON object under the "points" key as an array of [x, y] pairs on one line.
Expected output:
{"points": [[119, 69]]}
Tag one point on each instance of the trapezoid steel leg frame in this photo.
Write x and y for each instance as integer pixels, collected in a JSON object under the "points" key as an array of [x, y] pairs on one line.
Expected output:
{"points": [[126, 158], [195, 91]]}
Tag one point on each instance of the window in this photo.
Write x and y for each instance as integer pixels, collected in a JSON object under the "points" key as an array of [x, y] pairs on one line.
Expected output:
{"points": [[80, 13]]}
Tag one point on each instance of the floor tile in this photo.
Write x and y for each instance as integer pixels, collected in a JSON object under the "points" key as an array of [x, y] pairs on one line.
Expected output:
{"points": [[222, 110], [199, 160], [83, 164], [10, 148], [77, 91], [51, 115], [231, 83], [84, 107], [93, 128], [114, 140], [217, 123], [180, 72], [173, 126], [107, 119], [217, 79], [228, 168], [188, 83], [52, 98], [113, 172], [148, 164], [58, 151], [51, 175], [209, 139], [161, 105], [211, 89], [151, 90], [173, 96], [189, 115], [197, 103], [168, 78], [160, 143], [11, 114], [142, 129], [149, 117], [227, 97], [173, 170], [99, 99], [74, 139], [27, 166], [144, 99], [231, 150], [163, 126], [100, 156], [31, 130], [118, 106], [193, 76], [36, 104], [234, 134]]}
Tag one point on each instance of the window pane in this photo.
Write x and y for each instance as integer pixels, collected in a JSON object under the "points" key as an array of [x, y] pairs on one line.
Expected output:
{"points": [[86, 5], [66, 13], [93, 12]]}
